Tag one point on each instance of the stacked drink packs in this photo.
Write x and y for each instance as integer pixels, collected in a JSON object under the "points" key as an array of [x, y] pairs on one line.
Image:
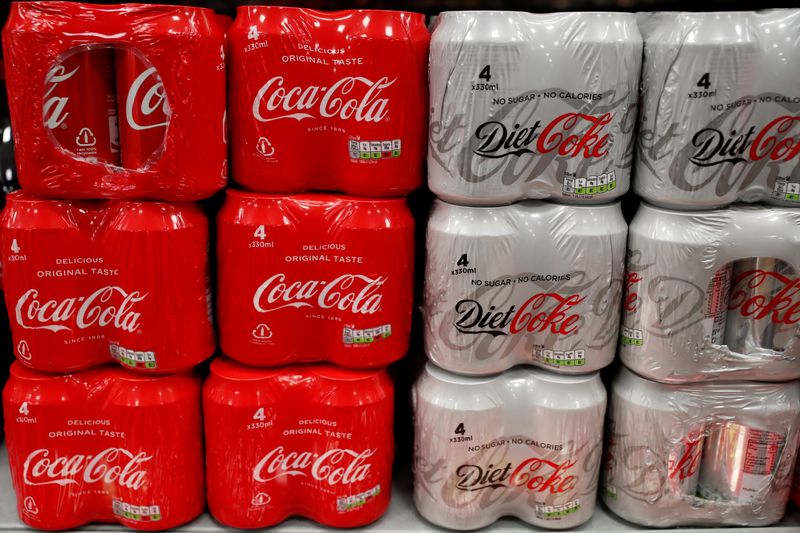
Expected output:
{"points": [[707, 429], [106, 267], [525, 262], [120, 110], [310, 277]]}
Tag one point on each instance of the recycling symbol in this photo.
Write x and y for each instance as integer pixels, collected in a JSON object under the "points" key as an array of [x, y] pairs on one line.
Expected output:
{"points": [[264, 147], [262, 331], [85, 138]]}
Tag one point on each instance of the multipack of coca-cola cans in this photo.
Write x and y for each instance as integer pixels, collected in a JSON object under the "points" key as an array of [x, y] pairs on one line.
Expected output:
{"points": [[120, 120]]}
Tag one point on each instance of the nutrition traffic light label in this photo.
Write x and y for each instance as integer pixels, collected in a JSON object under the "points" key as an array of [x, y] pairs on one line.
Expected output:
{"points": [[591, 185], [375, 149], [366, 336], [785, 191], [133, 358], [140, 513]]}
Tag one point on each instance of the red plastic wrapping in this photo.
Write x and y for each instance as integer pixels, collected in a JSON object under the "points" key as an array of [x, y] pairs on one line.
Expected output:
{"points": [[314, 277], [314, 441], [104, 445], [334, 101], [87, 282], [170, 83]]}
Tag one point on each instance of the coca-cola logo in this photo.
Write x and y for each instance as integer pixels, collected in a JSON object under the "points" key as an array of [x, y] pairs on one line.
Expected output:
{"points": [[782, 308], [632, 279], [543, 312], [773, 142], [112, 465], [334, 467], [351, 97], [55, 106], [568, 135], [684, 466], [356, 293], [534, 474], [107, 306], [147, 100]]}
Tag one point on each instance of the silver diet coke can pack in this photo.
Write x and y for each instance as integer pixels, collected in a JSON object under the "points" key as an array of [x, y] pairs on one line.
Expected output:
{"points": [[532, 106], [531, 282], [705, 453], [525, 443], [707, 296], [720, 100]]}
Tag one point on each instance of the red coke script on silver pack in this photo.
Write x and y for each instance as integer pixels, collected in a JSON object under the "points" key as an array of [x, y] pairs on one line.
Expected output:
{"points": [[104, 445], [115, 101], [314, 441], [334, 101], [314, 277], [88, 282]]}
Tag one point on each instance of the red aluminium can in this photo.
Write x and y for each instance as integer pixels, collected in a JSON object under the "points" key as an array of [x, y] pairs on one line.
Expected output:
{"points": [[314, 277], [80, 107], [328, 100], [88, 282], [144, 109], [104, 445], [314, 441]]}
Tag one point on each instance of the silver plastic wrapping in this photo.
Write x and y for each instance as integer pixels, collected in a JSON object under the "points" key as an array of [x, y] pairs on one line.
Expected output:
{"points": [[532, 106], [719, 110], [695, 454], [525, 443], [531, 282], [713, 294]]}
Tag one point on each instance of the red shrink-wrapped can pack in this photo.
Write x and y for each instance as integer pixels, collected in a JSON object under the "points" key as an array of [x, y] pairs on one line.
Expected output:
{"points": [[88, 282], [328, 100], [314, 277], [314, 441], [117, 101], [104, 445]]}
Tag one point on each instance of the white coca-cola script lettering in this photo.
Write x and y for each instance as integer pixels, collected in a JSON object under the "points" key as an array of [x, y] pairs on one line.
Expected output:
{"points": [[55, 106], [148, 100], [112, 465], [333, 467], [354, 292], [352, 97], [83, 311]]}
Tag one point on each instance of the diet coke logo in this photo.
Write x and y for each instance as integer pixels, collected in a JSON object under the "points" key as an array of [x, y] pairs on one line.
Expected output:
{"points": [[334, 467], [543, 312], [773, 142], [356, 293], [146, 100], [582, 139], [782, 308], [568, 135], [352, 97], [534, 474], [112, 465], [54, 110], [697, 164], [83, 312]]}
